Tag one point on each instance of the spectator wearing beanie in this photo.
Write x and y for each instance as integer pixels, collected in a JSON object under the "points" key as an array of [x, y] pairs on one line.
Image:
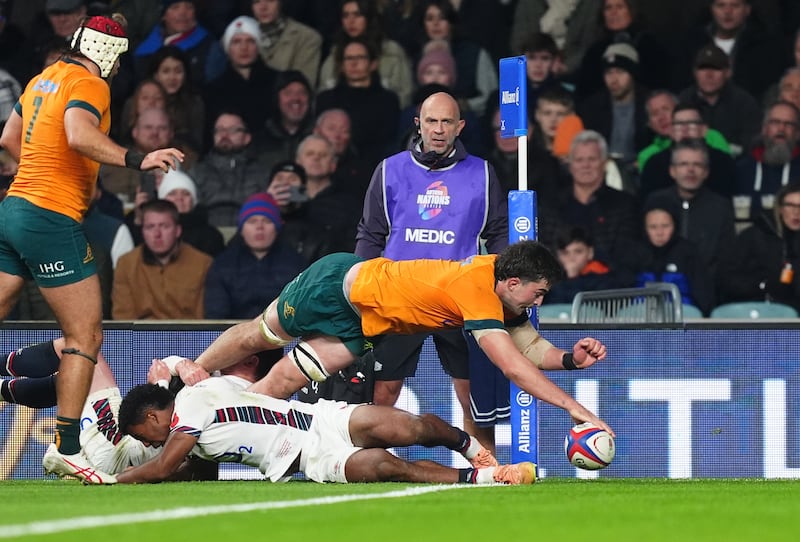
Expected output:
{"points": [[179, 188], [287, 186], [436, 72], [247, 81], [255, 265], [437, 65], [291, 118], [617, 111]]}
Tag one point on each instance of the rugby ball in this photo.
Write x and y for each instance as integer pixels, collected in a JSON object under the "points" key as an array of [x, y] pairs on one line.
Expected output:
{"points": [[589, 447]]}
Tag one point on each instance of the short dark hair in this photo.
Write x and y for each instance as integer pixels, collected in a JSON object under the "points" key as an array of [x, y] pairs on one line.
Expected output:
{"points": [[661, 92], [688, 106], [372, 52], [697, 145], [573, 234], [538, 42], [529, 261], [162, 206], [557, 94], [138, 401], [447, 8], [235, 111]]}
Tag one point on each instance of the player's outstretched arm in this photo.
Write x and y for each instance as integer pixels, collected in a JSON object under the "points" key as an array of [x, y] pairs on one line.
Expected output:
{"points": [[501, 351], [585, 353], [551, 358], [84, 136], [235, 344], [166, 463]]}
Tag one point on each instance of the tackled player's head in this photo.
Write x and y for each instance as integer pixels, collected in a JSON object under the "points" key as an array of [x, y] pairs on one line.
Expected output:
{"points": [[529, 261], [141, 401]]}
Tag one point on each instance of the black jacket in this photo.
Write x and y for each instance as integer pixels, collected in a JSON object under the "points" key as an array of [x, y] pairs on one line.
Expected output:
{"points": [[678, 262], [611, 217], [752, 272], [706, 219], [758, 59]]}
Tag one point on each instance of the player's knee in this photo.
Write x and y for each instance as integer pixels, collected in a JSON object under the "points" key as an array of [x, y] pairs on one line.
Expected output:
{"points": [[308, 361], [37, 360], [88, 341]]}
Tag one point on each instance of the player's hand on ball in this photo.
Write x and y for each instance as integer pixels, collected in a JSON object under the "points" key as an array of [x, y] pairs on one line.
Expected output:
{"points": [[587, 351], [163, 159], [582, 415]]}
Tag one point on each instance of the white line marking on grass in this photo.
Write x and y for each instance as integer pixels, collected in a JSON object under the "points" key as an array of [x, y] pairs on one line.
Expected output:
{"points": [[90, 522]]}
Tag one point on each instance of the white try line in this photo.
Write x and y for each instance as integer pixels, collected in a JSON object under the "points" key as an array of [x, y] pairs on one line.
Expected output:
{"points": [[90, 522]]}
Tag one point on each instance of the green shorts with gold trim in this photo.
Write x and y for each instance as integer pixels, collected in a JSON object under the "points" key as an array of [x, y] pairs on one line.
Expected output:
{"points": [[314, 303], [42, 244]]}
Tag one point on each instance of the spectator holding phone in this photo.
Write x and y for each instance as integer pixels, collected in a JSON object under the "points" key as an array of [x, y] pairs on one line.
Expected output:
{"points": [[287, 186], [326, 222]]}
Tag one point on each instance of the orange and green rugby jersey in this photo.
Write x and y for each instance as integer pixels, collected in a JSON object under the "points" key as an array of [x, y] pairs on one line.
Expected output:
{"points": [[51, 175], [425, 295]]}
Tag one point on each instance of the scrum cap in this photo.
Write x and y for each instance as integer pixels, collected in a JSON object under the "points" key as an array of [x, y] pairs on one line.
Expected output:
{"points": [[101, 40]]}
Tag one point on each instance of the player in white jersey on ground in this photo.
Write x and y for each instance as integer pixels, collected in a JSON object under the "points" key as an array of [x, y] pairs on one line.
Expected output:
{"points": [[102, 443], [328, 441]]}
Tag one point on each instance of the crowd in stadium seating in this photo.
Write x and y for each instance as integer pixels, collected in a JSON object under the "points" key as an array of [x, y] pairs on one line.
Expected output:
{"points": [[663, 136]]}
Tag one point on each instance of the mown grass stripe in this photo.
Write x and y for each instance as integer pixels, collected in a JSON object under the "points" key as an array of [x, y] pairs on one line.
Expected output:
{"points": [[91, 522]]}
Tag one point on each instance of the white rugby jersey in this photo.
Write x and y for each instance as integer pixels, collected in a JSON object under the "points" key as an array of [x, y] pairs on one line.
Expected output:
{"points": [[233, 425]]}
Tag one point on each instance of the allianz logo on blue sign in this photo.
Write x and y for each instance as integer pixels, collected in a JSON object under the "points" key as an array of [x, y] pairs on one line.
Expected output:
{"points": [[522, 224], [524, 399], [510, 97]]}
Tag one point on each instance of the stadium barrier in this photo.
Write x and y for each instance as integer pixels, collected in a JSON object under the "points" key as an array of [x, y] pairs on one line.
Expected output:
{"points": [[711, 398]]}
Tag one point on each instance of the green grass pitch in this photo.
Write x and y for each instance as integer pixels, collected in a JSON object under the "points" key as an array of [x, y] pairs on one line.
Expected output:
{"points": [[596, 511]]}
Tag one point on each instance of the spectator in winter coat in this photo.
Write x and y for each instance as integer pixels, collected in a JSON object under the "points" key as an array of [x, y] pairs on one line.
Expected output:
{"points": [[664, 256], [230, 172], [254, 267], [766, 261]]}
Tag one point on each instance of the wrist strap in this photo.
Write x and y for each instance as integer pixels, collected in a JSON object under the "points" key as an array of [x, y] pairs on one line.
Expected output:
{"points": [[134, 159], [568, 361]]}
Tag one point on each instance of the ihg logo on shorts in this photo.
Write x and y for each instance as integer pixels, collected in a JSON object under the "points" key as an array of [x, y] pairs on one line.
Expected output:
{"points": [[52, 267]]}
